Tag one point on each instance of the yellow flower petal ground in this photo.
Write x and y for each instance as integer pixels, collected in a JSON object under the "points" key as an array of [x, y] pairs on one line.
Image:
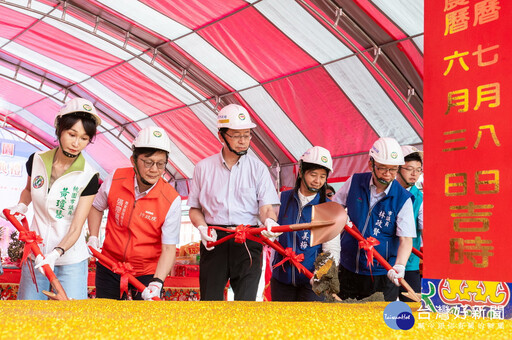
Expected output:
{"points": [[108, 319]]}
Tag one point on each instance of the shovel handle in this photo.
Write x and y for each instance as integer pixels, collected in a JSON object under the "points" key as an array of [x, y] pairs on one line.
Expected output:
{"points": [[276, 229], [357, 235], [417, 253], [110, 264], [279, 248], [55, 283]]}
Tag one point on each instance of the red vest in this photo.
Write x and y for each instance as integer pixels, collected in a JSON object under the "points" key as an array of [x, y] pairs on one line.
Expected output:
{"points": [[134, 228]]}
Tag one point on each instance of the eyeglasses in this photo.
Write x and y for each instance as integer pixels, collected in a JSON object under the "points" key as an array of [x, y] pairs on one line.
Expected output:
{"points": [[149, 164], [240, 137], [384, 170], [330, 194], [414, 170]]}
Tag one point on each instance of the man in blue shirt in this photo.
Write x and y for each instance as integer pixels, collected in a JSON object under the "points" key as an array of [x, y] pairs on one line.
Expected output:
{"points": [[380, 208]]}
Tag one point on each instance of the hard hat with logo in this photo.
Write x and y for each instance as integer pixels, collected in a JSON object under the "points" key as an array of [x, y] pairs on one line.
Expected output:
{"points": [[234, 117], [387, 151], [409, 149], [319, 156], [78, 105], [152, 137]]}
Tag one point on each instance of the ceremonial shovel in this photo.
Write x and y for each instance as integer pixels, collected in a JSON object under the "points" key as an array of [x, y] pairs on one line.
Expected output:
{"points": [[327, 221], [58, 292], [411, 294], [110, 265]]}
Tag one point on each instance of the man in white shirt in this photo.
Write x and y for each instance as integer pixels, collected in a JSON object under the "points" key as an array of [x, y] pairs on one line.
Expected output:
{"points": [[229, 189]]}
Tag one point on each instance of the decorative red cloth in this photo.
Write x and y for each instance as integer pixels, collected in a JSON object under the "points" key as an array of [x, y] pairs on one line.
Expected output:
{"points": [[123, 269], [293, 258], [29, 237], [241, 233], [367, 245]]}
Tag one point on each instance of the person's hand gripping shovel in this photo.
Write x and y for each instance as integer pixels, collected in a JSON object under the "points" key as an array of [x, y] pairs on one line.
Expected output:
{"points": [[19, 221], [411, 294]]}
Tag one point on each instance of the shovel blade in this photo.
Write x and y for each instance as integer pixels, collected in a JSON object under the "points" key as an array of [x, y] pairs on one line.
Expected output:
{"points": [[57, 292], [328, 211], [413, 296]]}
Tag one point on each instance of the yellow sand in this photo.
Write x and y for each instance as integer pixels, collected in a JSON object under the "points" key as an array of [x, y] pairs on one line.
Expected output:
{"points": [[107, 319]]}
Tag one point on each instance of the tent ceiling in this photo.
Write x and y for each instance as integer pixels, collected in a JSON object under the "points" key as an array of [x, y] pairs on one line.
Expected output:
{"points": [[334, 73]]}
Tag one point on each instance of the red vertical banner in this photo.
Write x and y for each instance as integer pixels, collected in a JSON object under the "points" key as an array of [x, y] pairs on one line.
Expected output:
{"points": [[468, 137]]}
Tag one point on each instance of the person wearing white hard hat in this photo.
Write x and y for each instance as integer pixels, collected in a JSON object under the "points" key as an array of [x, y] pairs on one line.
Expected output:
{"points": [[143, 222], [408, 175], [61, 185], [228, 189], [287, 283], [382, 210]]}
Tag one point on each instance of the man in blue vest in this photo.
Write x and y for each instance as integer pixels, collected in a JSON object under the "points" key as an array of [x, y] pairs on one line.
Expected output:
{"points": [[408, 175], [382, 210]]}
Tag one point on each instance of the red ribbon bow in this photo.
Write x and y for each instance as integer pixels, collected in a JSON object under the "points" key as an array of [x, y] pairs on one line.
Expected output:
{"points": [[367, 245], [28, 237], [124, 269], [241, 233], [293, 258]]}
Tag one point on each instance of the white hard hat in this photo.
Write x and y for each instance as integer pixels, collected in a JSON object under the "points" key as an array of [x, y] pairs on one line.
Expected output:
{"points": [[387, 151], [78, 105], [234, 117], [408, 149], [318, 155], [152, 137]]}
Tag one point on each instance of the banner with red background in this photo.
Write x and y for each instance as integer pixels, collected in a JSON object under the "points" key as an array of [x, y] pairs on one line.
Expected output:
{"points": [[468, 171]]}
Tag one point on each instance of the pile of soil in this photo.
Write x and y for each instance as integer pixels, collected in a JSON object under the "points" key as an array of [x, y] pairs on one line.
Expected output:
{"points": [[325, 281]]}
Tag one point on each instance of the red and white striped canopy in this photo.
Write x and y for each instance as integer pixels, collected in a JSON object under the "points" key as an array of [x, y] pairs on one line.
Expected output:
{"points": [[337, 73]]}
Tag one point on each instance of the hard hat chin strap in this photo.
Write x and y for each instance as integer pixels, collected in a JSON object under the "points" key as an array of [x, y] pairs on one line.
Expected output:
{"points": [[403, 179], [303, 179], [307, 186], [238, 153], [136, 168], [380, 180], [67, 154]]}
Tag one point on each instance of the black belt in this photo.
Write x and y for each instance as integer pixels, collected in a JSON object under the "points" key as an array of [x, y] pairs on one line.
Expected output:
{"points": [[230, 226]]}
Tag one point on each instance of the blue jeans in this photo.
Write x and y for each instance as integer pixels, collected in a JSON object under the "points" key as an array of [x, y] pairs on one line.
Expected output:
{"points": [[72, 277]]}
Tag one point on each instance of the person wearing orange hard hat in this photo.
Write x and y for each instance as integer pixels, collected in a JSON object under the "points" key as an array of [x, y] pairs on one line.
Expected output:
{"points": [[61, 185]]}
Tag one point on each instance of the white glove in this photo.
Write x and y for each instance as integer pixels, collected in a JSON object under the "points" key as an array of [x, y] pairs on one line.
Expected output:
{"points": [[49, 259], [93, 242], [18, 208], [153, 289], [312, 280], [269, 223], [203, 230], [395, 273]]}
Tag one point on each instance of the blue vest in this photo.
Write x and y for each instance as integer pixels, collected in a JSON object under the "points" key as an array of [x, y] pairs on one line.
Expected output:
{"points": [[291, 213], [378, 222], [414, 261]]}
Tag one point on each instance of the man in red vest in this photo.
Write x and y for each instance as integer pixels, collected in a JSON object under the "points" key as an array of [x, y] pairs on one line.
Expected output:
{"points": [[143, 223]]}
